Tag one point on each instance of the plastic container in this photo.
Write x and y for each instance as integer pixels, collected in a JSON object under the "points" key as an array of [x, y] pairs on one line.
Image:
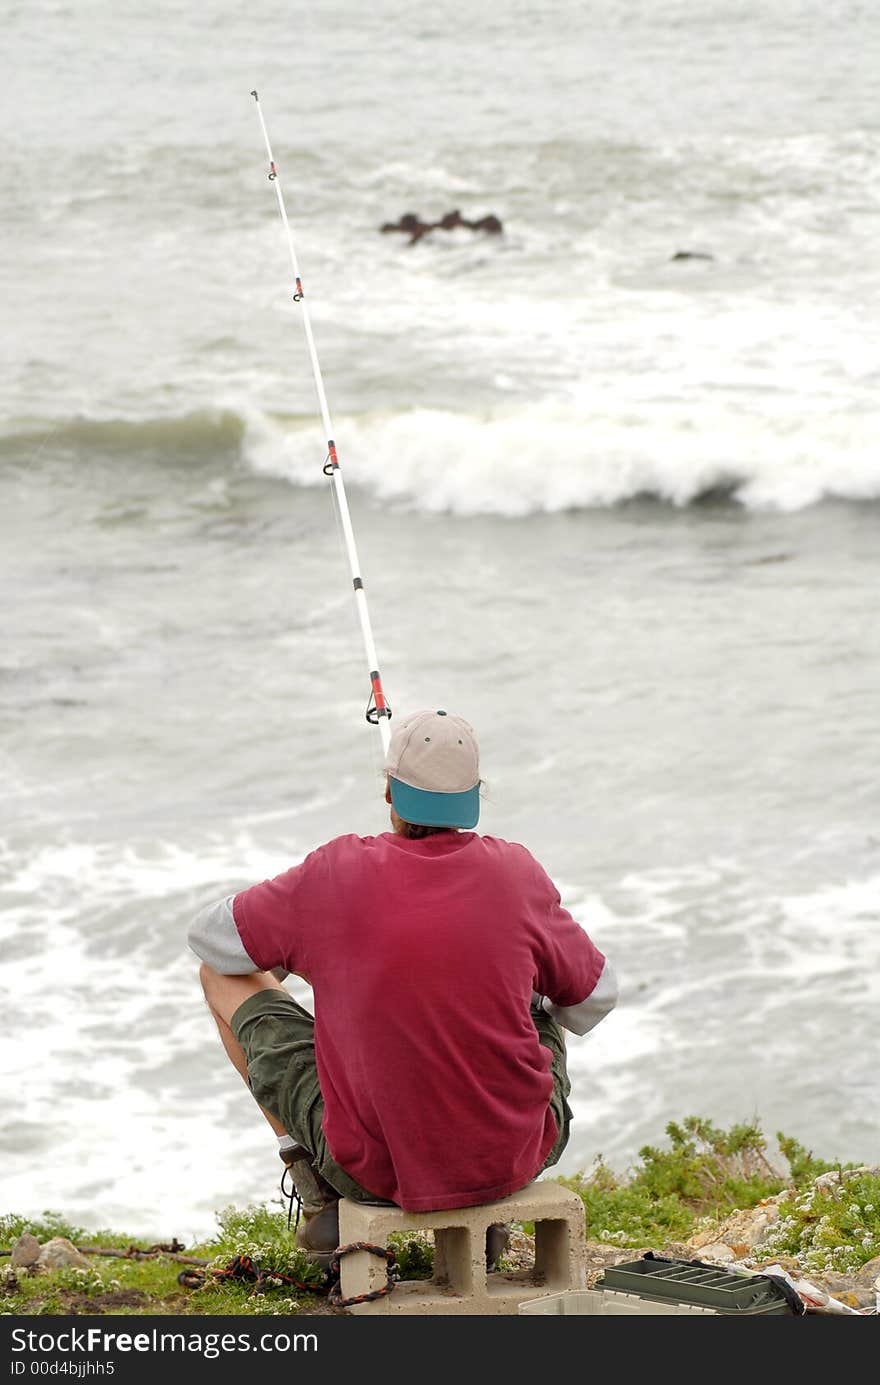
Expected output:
{"points": [[718, 1289], [597, 1303]]}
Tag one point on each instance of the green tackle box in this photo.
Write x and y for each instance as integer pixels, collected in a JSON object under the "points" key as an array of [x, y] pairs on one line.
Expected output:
{"points": [[665, 1281]]}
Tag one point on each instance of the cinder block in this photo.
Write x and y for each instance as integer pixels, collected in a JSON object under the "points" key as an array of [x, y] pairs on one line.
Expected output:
{"points": [[460, 1283]]}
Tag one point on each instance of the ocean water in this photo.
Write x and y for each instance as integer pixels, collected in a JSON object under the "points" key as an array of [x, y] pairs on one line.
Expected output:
{"points": [[618, 508]]}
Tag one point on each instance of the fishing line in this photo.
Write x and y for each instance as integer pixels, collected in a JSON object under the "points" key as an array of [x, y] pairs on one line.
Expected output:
{"points": [[378, 712]]}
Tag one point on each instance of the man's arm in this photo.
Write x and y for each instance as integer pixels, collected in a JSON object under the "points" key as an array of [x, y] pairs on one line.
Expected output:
{"points": [[580, 1019], [215, 939]]}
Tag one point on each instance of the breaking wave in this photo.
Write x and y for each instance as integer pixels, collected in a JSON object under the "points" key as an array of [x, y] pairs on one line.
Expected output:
{"points": [[543, 458]]}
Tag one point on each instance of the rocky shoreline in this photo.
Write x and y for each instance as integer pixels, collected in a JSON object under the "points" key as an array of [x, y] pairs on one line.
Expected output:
{"points": [[742, 1242], [739, 1243]]}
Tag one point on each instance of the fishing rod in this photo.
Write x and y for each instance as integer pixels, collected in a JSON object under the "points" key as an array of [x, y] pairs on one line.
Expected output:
{"points": [[378, 711]]}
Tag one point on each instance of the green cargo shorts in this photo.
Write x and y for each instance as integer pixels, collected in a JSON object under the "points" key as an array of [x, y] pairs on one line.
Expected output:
{"points": [[278, 1039]]}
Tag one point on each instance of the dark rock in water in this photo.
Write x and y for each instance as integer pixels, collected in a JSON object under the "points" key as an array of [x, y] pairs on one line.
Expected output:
{"points": [[690, 255], [451, 220], [487, 223], [411, 224]]}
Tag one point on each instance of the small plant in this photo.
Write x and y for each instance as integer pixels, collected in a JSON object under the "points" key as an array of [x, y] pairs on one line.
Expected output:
{"points": [[712, 1171], [803, 1165], [627, 1213], [832, 1225], [270, 1306], [264, 1237], [414, 1253], [88, 1280]]}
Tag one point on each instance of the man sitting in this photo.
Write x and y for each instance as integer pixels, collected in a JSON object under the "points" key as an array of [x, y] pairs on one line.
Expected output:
{"points": [[444, 970]]}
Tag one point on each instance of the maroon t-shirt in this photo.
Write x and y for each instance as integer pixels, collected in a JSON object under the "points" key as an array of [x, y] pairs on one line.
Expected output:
{"points": [[423, 956]]}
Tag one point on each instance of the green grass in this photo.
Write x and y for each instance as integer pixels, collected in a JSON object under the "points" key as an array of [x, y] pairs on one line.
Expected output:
{"points": [[144, 1287]]}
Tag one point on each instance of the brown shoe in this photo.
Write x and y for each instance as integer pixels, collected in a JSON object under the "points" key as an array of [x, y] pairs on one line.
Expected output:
{"points": [[497, 1241], [313, 1191], [318, 1234]]}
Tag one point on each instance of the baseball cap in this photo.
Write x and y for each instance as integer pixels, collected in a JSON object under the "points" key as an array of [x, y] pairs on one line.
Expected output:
{"points": [[433, 764]]}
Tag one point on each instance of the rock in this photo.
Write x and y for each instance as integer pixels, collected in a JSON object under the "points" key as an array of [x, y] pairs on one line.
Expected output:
{"points": [[856, 1288], [718, 1253], [827, 1182], [740, 1232], [59, 1253], [25, 1252]]}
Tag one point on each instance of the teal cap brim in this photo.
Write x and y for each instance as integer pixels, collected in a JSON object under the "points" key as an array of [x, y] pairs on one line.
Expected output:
{"points": [[435, 809]]}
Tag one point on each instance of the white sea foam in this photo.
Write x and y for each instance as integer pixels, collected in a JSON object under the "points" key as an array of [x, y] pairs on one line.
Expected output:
{"points": [[836, 930], [771, 985], [72, 871], [554, 457], [114, 1016]]}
